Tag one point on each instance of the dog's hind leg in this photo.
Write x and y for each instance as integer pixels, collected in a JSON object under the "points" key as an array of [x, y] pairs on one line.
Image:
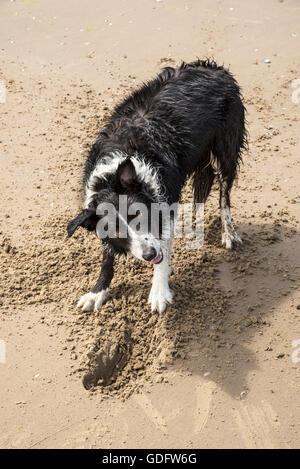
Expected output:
{"points": [[227, 149], [95, 299], [203, 179], [230, 238]]}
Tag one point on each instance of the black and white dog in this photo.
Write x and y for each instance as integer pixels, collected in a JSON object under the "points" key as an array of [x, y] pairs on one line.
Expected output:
{"points": [[188, 121]]}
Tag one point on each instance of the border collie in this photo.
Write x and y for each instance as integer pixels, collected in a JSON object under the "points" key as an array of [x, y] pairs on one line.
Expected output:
{"points": [[188, 121]]}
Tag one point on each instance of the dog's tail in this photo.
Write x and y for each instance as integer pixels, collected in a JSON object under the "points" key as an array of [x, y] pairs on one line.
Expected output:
{"points": [[203, 63]]}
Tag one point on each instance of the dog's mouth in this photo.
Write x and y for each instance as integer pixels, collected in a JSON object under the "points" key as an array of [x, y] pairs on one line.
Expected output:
{"points": [[158, 258]]}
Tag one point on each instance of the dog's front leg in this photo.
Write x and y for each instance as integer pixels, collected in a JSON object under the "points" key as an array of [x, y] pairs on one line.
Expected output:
{"points": [[160, 294], [95, 299]]}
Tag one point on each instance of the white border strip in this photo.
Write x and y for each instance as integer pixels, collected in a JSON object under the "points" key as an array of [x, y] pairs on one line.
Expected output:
{"points": [[2, 92], [2, 351]]}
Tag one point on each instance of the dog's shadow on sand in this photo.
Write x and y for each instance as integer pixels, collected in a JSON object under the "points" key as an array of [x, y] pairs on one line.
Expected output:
{"points": [[244, 288], [222, 300]]}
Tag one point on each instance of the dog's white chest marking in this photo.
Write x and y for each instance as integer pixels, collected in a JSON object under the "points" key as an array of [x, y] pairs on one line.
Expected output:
{"points": [[102, 170], [109, 165]]}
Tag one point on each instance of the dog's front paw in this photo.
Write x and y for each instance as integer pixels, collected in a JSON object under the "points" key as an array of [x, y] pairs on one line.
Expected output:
{"points": [[231, 239], [92, 301], [160, 296]]}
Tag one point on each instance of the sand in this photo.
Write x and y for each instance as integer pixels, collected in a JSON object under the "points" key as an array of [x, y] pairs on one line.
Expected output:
{"points": [[220, 368]]}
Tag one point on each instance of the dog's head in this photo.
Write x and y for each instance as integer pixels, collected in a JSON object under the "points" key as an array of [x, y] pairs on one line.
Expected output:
{"points": [[124, 217]]}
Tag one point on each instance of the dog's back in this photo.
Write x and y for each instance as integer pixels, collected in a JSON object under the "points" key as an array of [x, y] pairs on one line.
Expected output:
{"points": [[179, 115]]}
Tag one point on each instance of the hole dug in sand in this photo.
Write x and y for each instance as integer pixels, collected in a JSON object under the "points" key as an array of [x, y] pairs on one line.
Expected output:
{"points": [[106, 361]]}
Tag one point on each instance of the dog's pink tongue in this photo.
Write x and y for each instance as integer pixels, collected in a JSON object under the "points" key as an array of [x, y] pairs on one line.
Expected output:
{"points": [[157, 259]]}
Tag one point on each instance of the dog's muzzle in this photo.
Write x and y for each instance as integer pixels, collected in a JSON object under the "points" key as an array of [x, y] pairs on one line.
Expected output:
{"points": [[152, 256]]}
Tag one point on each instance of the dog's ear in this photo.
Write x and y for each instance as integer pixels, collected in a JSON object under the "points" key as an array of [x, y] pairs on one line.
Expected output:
{"points": [[87, 219], [127, 178]]}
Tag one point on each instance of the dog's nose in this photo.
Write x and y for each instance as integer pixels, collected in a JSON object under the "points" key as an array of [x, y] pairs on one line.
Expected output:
{"points": [[149, 254]]}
